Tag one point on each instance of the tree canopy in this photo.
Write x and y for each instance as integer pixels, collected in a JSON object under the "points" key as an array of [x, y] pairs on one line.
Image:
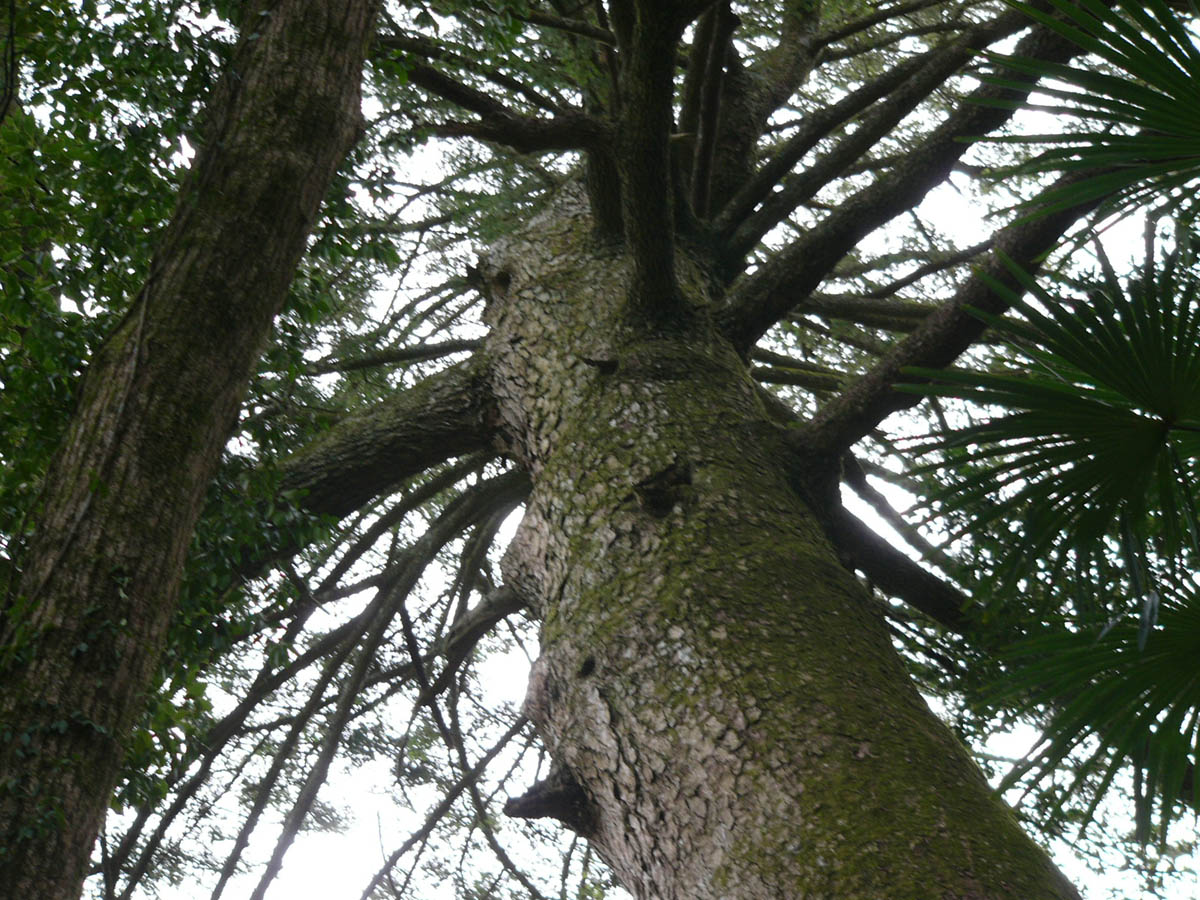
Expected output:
{"points": [[874, 209]]}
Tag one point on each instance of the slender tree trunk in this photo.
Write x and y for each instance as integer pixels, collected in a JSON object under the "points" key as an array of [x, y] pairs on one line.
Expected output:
{"points": [[729, 717], [98, 587]]}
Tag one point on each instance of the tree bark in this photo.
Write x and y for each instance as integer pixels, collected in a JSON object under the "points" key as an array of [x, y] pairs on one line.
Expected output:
{"points": [[725, 709], [83, 634]]}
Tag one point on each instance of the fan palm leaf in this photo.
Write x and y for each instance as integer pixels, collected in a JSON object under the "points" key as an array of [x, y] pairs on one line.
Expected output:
{"points": [[1142, 139], [1099, 438], [1095, 453], [1119, 698]]}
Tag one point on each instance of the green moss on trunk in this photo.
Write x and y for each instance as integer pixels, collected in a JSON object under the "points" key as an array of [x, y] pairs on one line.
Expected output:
{"points": [[721, 688]]}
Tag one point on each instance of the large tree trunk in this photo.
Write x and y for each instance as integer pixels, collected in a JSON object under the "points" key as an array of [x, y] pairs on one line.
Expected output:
{"points": [[98, 587], [721, 695]]}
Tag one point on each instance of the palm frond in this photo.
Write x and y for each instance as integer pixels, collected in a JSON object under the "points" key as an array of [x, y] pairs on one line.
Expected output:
{"points": [[1144, 139], [1119, 699], [1094, 457], [1099, 441]]}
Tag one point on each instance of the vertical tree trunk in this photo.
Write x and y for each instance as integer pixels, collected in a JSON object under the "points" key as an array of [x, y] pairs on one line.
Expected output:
{"points": [[81, 640], [722, 695]]}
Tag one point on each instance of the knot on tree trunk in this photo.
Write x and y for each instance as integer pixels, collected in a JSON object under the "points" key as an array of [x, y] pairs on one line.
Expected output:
{"points": [[659, 493], [558, 796]]}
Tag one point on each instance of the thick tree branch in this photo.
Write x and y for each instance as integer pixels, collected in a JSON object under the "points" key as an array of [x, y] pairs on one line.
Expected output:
{"points": [[693, 79], [578, 27], [779, 72], [644, 162], [860, 547], [570, 129], [894, 315], [447, 414], [751, 93], [817, 382], [813, 128], [675, 14], [856, 477], [709, 118], [938, 66], [783, 282], [430, 49], [890, 40], [528, 135], [894, 573], [940, 339], [781, 369]]}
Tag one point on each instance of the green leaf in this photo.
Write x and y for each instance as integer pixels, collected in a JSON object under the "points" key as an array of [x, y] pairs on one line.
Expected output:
{"points": [[1152, 100], [1097, 440], [1131, 689]]}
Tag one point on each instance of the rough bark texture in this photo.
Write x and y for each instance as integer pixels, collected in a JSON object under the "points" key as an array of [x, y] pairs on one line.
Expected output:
{"points": [[727, 713], [81, 641]]}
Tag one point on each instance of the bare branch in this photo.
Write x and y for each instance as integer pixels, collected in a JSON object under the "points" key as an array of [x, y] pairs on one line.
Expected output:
{"points": [[472, 506], [783, 282], [389, 357], [390, 602], [439, 811], [939, 264]]}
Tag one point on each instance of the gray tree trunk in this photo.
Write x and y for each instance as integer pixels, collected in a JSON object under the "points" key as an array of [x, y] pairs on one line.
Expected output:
{"points": [[729, 717]]}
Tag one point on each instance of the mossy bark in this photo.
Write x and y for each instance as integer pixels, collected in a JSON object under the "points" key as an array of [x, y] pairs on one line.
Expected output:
{"points": [[82, 636], [720, 695]]}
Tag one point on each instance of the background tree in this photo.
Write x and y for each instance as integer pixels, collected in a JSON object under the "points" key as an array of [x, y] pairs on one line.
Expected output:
{"points": [[665, 199], [93, 592]]}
